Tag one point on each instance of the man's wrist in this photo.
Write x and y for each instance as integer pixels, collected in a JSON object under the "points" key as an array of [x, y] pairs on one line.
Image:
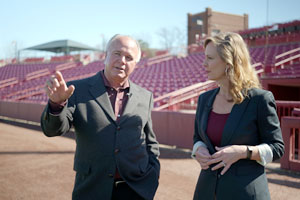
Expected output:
{"points": [[56, 108]]}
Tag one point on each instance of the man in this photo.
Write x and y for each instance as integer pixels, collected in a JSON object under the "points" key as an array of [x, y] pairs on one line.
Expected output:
{"points": [[117, 152]]}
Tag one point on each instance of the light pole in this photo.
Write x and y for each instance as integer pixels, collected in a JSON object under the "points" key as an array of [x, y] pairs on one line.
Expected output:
{"points": [[15, 49], [267, 34]]}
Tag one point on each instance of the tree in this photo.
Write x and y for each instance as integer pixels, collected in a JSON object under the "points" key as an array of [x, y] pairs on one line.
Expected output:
{"points": [[145, 48], [173, 39], [144, 45], [167, 38]]}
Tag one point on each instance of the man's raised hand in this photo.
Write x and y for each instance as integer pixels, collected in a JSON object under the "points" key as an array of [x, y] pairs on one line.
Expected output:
{"points": [[57, 90]]}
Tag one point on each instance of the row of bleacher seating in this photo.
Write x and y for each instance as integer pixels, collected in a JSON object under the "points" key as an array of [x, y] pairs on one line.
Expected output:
{"points": [[293, 26], [291, 71], [66, 58], [273, 39], [21, 70], [38, 60], [160, 77], [182, 72], [266, 55], [33, 60], [36, 75]]}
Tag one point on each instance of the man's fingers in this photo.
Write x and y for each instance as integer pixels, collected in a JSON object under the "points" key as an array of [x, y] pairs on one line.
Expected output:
{"points": [[55, 82], [48, 90], [51, 84], [70, 90], [59, 76]]}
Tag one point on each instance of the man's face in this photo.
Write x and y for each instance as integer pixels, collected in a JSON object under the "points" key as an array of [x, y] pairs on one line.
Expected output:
{"points": [[121, 58]]}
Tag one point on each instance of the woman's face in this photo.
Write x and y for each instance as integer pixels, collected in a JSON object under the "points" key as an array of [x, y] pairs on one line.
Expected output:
{"points": [[214, 65]]}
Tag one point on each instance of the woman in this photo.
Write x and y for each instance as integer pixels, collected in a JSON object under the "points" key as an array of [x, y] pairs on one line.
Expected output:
{"points": [[237, 131]]}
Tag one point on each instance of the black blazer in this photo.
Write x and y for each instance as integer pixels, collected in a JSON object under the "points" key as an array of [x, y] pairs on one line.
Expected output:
{"points": [[252, 122], [104, 143]]}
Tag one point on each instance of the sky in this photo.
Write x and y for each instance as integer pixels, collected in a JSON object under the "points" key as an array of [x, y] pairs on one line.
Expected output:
{"points": [[25, 23]]}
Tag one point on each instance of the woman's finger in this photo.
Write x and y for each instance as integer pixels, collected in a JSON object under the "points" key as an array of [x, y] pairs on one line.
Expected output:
{"points": [[204, 167], [227, 166], [203, 154], [218, 166], [220, 148], [216, 160]]}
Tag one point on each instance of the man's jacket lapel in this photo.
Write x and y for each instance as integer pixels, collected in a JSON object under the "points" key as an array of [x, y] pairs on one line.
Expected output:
{"points": [[132, 102], [98, 91]]}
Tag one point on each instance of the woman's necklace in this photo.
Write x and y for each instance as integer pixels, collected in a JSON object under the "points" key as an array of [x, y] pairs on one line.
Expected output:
{"points": [[226, 98]]}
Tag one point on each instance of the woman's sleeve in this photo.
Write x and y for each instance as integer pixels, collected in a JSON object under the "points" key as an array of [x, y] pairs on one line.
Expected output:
{"points": [[197, 139], [269, 126], [195, 147], [265, 153]]}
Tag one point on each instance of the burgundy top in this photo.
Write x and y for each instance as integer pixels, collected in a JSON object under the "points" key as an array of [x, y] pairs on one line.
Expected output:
{"points": [[215, 125], [118, 99]]}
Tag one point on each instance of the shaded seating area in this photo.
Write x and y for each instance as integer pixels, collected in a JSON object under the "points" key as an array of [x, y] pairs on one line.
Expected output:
{"points": [[61, 46]]}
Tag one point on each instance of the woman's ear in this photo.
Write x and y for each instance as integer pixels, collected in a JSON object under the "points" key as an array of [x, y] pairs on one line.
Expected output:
{"points": [[228, 69]]}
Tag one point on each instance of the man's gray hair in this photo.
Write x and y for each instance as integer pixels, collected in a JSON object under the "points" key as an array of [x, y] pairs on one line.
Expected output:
{"points": [[136, 42]]}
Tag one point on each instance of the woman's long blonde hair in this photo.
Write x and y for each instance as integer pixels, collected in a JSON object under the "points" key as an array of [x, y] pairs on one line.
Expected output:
{"points": [[234, 52]]}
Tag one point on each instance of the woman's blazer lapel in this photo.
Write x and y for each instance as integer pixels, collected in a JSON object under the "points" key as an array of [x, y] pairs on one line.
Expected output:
{"points": [[204, 119], [233, 121], [230, 125]]}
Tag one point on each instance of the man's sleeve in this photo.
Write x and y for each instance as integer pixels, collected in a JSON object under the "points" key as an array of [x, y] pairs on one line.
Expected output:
{"points": [[57, 123]]}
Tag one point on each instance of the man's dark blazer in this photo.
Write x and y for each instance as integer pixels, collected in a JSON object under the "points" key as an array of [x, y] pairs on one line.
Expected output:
{"points": [[104, 144], [252, 122]]}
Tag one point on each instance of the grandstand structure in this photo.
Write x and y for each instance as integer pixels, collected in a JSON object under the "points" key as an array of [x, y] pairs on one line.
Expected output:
{"points": [[176, 83], [210, 22]]}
